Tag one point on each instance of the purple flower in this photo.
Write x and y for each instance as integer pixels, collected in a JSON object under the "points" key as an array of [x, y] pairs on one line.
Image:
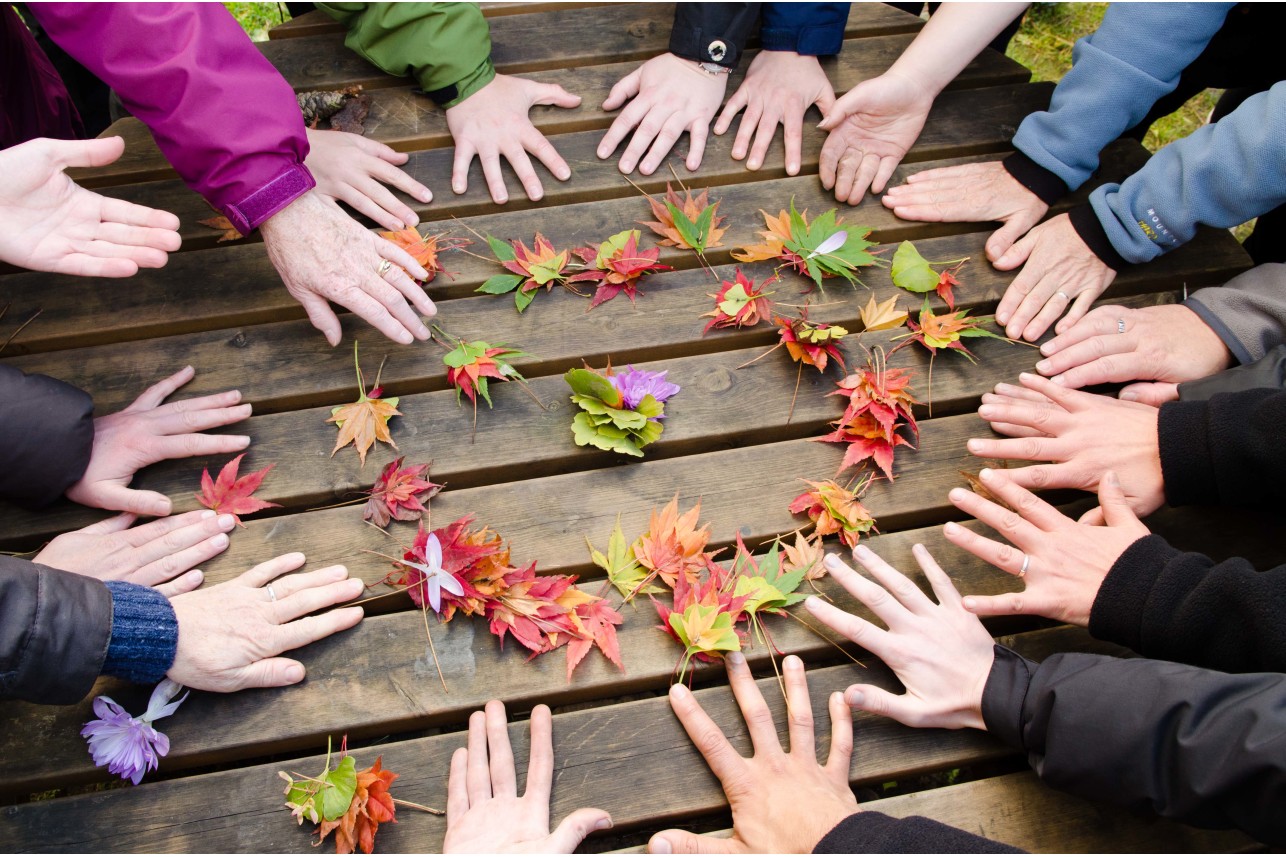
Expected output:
{"points": [[634, 384], [130, 746]]}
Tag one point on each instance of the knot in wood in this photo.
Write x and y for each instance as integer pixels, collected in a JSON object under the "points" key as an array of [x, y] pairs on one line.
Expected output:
{"points": [[239, 341]]}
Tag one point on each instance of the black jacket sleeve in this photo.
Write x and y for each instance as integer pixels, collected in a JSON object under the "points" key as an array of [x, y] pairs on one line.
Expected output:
{"points": [[55, 628], [1193, 745], [1225, 451], [46, 437], [877, 833], [713, 32], [1268, 371], [1175, 606]]}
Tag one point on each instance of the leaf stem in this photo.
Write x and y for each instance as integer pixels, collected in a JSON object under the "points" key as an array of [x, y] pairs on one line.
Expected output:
{"points": [[421, 807]]}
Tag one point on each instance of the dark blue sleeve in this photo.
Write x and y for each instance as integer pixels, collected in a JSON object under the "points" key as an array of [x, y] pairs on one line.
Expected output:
{"points": [[813, 29]]}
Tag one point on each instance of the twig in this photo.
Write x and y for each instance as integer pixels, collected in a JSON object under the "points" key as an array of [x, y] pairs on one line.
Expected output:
{"points": [[421, 807], [21, 327]]}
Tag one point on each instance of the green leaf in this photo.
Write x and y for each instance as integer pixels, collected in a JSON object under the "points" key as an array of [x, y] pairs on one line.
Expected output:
{"points": [[911, 271], [623, 569], [500, 284], [552, 270], [341, 785], [585, 382], [705, 222], [522, 299], [502, 250], [614, 245], [734, 300], [687, 230]]}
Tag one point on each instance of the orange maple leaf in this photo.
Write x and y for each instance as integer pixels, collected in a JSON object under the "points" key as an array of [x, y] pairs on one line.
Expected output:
{"points": [[424, 249], [673, 545], [365, 421], [775, 236]]}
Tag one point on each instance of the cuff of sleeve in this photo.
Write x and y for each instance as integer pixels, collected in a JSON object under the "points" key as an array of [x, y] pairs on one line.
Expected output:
{"points": [[1186, 466], [1091, 231], [1047, 186], [449, 96], [288, 186], [696, 46], [813, 41], [1004, 694], [145, 634], [860, 828], [1223, 331], [1117, 614]]}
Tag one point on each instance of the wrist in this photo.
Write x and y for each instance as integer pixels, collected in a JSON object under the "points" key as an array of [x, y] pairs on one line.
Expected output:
{"points": [[1089, 229], [267, 201]]}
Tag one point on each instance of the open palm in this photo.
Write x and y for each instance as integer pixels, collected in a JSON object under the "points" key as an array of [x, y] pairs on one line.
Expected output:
{"points": [[871, 129]]}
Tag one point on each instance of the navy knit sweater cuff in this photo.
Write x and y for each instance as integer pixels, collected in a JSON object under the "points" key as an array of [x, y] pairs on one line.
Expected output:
{"points": [[145, 634]]}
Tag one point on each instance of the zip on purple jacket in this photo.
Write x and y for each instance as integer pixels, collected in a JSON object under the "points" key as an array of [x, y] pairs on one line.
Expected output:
{"points": [[221, 114]]}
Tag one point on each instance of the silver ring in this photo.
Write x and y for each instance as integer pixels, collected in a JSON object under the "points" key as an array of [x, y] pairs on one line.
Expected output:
{"points": [[1064, 296], [384, 267], [272, 596], [1022, 572], [1120, 325]]}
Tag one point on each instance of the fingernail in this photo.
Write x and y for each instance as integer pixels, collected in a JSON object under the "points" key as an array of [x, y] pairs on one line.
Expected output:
{"points": [[811, 602], [833, 561], [1046, 349], [564, 176], [1044, 367], [1112, 480], [968, 604], [986, 474], [1129, 396], [356, 586], [678, 691], [227, 522], [195, 576], [294, 673], [1002, 318], [854, 697], [660, 846], [793, 168], [737, 659], [457, 188], [603, 824], [208, 513], [1060, 380], [405, 337], [973, 445], [161, 507], [863, 552], [952, 528], [986, 412], [220, 541], [1026, 376], [955, 495], [792, 663], [338, 573]]}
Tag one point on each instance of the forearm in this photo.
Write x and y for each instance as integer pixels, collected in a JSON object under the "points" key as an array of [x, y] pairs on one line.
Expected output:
{"points": [[1184, 607], [713, 32], [1193, 745], [954, 35], [48, 436], [1226, 450], [1248, 312], [223, 116]]}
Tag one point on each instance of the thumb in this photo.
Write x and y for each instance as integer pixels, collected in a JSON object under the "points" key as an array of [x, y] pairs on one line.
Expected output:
{"points": [[1092, 518], [1155, 393], [1015, 255], [557, 96], [322, 316], [877, 700], [111, 496], [1111, 499], [1004, 237], [840, 108], [86, 153], [625, 89], [682, 842], [270, 672], [826, 102], [575, 827], [114, 524]]}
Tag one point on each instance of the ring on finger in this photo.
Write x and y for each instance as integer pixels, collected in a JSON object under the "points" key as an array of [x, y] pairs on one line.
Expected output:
{"points": [[272, 596], [384, 267], [1022, 572], [1062, 294], [1120, 325]]}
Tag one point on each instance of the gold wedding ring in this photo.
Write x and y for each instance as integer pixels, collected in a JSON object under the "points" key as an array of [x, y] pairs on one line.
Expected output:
{"points": [[384, 267]]}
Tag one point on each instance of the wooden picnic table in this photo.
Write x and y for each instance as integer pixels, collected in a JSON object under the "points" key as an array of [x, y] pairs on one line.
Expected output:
{"points": [[727, 442]]}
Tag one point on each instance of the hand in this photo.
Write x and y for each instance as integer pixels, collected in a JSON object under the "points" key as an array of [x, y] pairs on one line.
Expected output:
{"points": [[1083, 434], [50, 223], [323, 255], [147, 432], [154, 554], [970, 193], [872, 126], [782, 803], [1062, 276], [230, 634], [1067, 560], [1163, 344], [484, 812], [671, 95], [940, 653], [494, 122], [779, 87], [352, 169]]}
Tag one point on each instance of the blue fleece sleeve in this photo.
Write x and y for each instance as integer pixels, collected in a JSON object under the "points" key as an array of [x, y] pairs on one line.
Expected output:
{"points": [[1118, 73], [812, 29], [1221, 175]]}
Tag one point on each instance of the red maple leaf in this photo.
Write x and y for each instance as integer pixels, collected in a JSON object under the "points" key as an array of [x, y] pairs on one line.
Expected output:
{"points": [[744, 307], [399, 494], [230, 495], [619, 271], [596, 623], [879, 405]]}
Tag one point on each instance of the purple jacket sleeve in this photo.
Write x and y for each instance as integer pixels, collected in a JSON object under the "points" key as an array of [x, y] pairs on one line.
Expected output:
{"points": [[219, 111]]}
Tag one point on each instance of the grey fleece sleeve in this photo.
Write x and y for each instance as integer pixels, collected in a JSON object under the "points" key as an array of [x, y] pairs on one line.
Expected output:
{"points": [[1248, 312]]}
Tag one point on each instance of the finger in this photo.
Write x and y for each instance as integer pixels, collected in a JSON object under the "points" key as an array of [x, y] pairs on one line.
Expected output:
{"points": [[310, 629], [1093, 518], [118, 498], [457, 790], [1031, 507], [828, 161], [1115, 506], [82, 265], [665, 140], [625, 89], [192, 416], [943, 588], [1044, 418], [405, 269], [460, 164], [287, 586], [849, 162], [1009, 604], [799, 709], [746, 131], [574, 828], [540, 764], [1096, 360], [855, 628], [555, 95], [683, 842], [865, 173], [478, 772], [1004, 237], [140, 237], [1015, 391], [886, 607], [154, 395], [754, 710], [1021, 285], [499, 752], [894, 582], [536, 143], [621, 126], [264, 572], [402, 180], [179, 561], [1077, 310], [874, 700], [114, 524], [764, 133], [730, 110], [697, 133], [181, 584], [644, 134], [121, 211], [495, 178], [1153, 394], [365, 302], [1055, 305], [724, 761], [840, 758], [517, 158], [888, 166], [314, 598], [1009, 524], [321, 316], [1004, 557], [376, 202], [173, 446], [270, 672]]}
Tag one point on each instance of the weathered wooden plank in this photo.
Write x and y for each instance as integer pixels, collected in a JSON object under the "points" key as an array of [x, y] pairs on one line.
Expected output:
{"points": [[1019, 810], [982, 122], [407, 121], [559, 38]]}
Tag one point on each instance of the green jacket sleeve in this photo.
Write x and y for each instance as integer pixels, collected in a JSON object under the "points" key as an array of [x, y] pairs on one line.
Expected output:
{"points": [[446, 47]]}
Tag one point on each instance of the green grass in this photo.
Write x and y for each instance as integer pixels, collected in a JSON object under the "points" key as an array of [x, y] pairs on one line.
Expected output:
{"points": [[258, 18]]}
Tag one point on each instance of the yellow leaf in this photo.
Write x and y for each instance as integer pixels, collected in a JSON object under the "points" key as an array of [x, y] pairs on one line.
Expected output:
{"points": [[884, 315]]}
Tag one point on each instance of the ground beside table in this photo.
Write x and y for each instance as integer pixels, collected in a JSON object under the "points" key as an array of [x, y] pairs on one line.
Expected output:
{"points": [[727, 442]]}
